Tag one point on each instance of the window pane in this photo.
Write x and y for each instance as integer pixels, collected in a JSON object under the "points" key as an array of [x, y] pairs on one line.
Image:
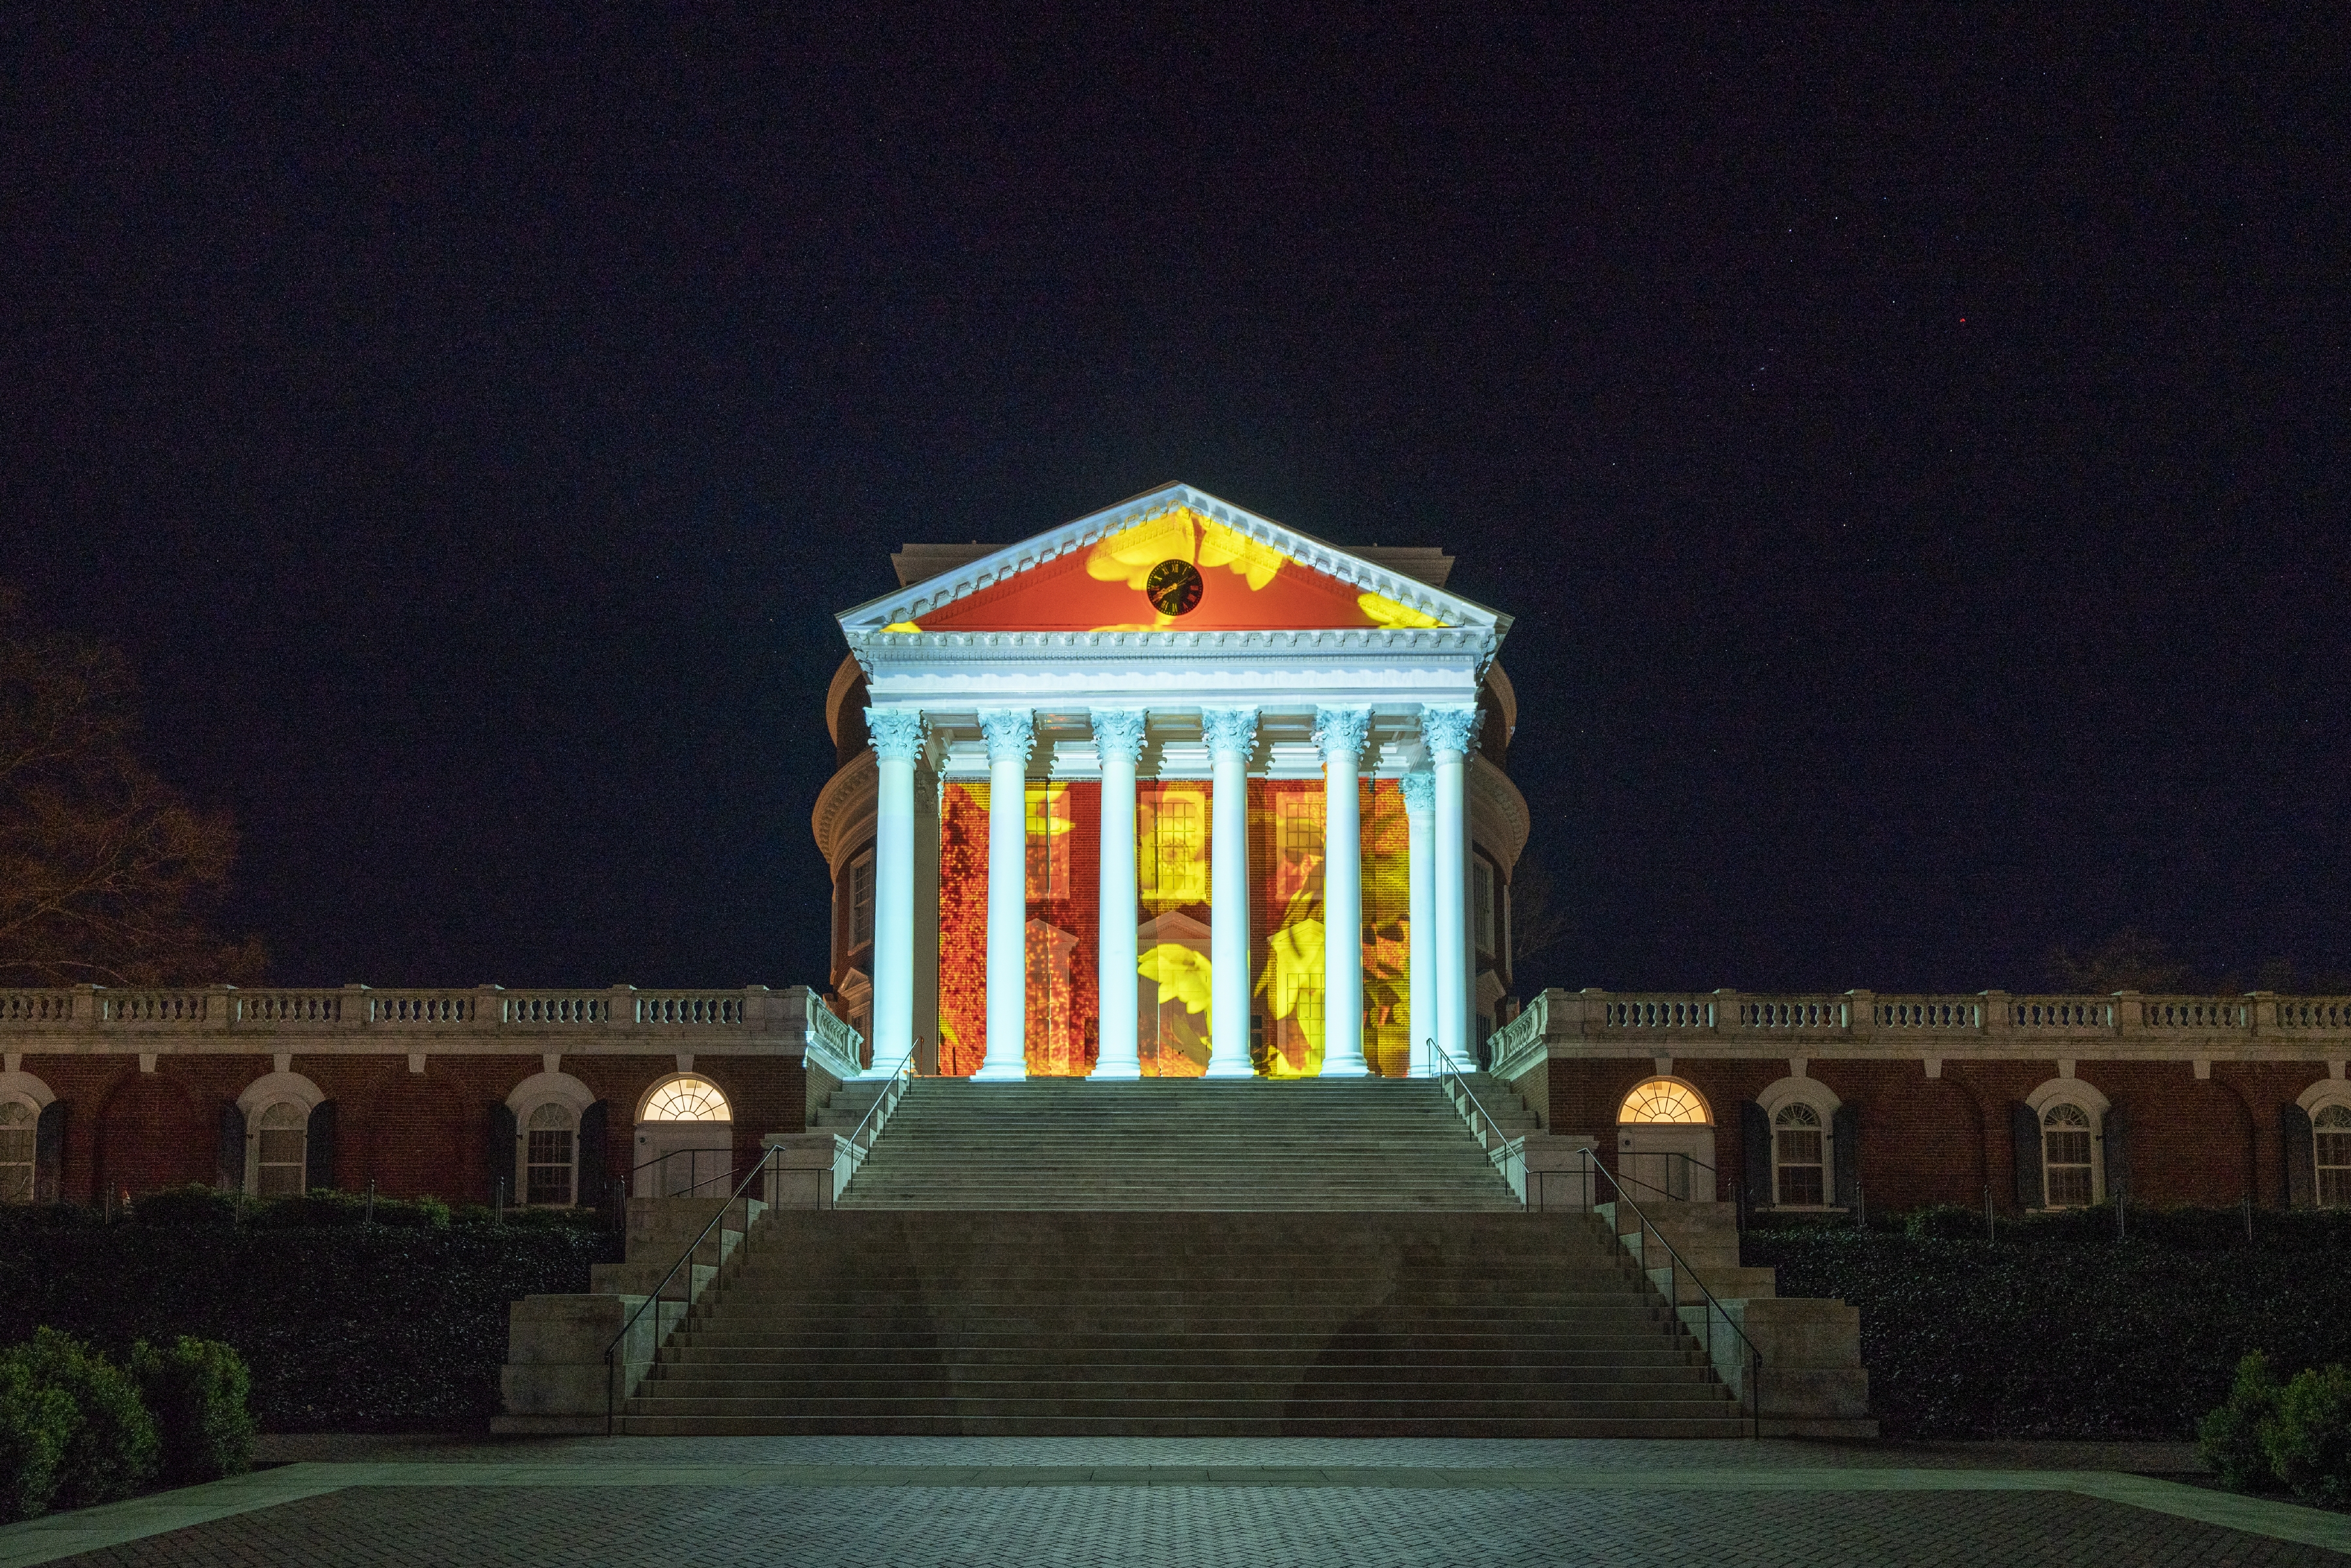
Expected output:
{"points": [[281, 1180], [550, 1167], [1799, 1184], [1799, 1146], [2069, 1186], [281, 1148], [2067, 1147]]}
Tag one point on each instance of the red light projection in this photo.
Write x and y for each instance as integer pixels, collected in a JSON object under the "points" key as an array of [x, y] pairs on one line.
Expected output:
{"points": [[1171, 834], [1233, 583], [962, 929]]}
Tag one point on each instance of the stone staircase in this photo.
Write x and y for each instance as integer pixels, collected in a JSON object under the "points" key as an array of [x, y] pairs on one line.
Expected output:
{"points": [[1181, 1323], [1190, 1144]]}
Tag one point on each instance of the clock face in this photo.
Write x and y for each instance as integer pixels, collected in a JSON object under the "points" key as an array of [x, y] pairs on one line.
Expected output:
{"points": [[1175, 588]]}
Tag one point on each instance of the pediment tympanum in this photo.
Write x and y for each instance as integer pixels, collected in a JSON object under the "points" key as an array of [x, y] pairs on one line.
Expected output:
{"points": [[1177, 569]]}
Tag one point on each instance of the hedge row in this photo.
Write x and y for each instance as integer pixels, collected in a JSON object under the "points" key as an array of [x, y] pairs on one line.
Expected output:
{"points": [[345, 1329], [2026, 1337], [202, 1208], [77, 1430]]}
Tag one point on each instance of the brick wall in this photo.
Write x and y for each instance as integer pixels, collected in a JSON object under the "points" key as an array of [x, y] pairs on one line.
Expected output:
{"points": [[1943, 1140], [412, 1134]]}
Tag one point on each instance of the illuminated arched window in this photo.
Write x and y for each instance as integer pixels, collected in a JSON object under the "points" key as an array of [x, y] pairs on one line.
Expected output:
{"points": [[1662, 1099], [687, 1099], [2330, 1129]]}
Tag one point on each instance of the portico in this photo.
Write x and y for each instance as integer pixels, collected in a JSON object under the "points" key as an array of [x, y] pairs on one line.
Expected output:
{"points": [[1194, 788]]}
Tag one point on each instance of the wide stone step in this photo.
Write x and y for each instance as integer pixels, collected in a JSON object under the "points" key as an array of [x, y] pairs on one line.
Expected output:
{"points": [[1016, 1408], [1144, 1426], [1081, 1393]]}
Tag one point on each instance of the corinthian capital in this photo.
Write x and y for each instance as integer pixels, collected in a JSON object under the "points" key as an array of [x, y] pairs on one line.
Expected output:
{"points": [[1419, 793], [1229, 730], [1012, 734], [1450, 728], [1341, 731], [1118, 732], [896, 732]]}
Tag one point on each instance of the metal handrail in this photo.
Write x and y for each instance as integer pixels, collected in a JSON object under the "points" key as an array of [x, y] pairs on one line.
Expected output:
{"points": [[1452, 1068], [901, 1078], [610, 1372], [1674, 1295], [692, 1188], [1690, 1163]]}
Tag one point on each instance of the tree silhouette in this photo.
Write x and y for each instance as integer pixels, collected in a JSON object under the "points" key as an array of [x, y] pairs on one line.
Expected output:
{"points": [[106, 873]]}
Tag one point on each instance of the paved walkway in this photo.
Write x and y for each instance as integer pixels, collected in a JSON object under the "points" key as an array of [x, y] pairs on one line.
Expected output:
{"points": [[912, 1502]]}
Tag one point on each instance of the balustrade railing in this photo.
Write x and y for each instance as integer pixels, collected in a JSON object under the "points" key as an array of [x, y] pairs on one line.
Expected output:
{"points": [[2060, 1012], [1929, 1013], [1660, 1012], [229, 1009], [1795, 1012]]}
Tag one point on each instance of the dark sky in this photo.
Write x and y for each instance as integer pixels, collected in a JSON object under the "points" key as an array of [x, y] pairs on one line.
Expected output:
{"points": [[1913, 440]]}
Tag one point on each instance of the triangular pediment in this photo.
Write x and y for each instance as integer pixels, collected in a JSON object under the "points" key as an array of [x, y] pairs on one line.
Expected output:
{"points": [[1174, 560]]}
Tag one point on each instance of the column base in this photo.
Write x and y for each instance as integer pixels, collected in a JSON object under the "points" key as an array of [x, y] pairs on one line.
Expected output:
{"points": [[1357, 1069], [1229, 1070], [1000, 1072], [1115, 1072]]}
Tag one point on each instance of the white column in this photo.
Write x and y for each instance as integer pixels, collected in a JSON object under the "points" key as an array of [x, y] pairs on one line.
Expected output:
{"points": [[1340, 732], [1118, 742], [1010, 735], [897, 736], [1448, 732], [1420, 977], [1232, 737]]}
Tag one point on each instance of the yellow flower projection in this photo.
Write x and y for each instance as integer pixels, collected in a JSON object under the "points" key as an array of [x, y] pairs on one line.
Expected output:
{"points": [[1292, 987], [1129, 556], [1171, 845], [1181, 975], [1385, 611]]}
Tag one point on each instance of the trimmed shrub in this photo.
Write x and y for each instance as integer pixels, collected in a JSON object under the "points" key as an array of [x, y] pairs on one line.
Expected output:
{"points": [[2309, 1442], [36, 1424], [2015, 1339], [2232, 1437], [1944, 1222], [112, 1451], [343, 1330], [194, 1206], [198, 1392]]}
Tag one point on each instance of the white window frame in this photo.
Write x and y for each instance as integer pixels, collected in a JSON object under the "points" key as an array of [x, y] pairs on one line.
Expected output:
{"points": [[571, 1168], [2090, 1102], [276, 1088], [546, 1089], [1775, 1098], [2326, 1094]]}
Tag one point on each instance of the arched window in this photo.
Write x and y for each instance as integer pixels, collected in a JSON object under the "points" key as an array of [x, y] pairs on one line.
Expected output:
{"points": [[687, 1099], [1799, 1173], [2065, 1170], [18, 1125], [1664, 1100], [2330, 1130], [283, 1153], [550, 1163]]}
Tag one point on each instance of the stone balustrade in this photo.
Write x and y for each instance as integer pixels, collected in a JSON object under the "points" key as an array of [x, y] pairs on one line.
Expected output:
{"points": [[1558, 1022], [75, 1019]]}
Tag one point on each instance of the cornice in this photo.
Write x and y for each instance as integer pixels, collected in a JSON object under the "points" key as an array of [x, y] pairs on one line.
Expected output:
{"points": [[847, 801], [936, 592], [1491, 790]]}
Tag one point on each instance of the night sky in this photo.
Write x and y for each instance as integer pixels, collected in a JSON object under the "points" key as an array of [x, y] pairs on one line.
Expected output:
{"points": [[1916, 444]]}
